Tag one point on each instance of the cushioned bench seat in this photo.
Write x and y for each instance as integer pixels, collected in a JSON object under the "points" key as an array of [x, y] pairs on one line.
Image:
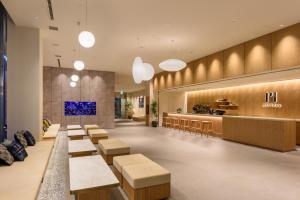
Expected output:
{"points": [[120, 161], [112, 147], [147, 181], [52, 132], [90, 126], [22, 179], [97, 134]]}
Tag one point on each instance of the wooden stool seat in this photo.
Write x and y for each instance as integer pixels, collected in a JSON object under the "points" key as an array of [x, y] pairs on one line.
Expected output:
{"points": [[193, 126], [207, 127]]}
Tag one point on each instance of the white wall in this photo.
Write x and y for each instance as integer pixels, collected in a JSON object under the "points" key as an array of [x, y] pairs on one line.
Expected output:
{"points": [[170, 102], [24, 80]]}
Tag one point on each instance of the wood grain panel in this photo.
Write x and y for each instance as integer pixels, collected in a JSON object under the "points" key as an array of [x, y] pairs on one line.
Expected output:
{"points": [[188, 74], [178, 79], [215, 66], [251, 97], [162, 81], [155, 83], [234, 61], [269, 133], [286, 47], [170, 80], [200, 70], [258, 55], [298, 132]]}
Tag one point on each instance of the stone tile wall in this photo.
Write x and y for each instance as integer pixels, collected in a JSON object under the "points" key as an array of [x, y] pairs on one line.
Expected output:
{"points": [[93, 86]]}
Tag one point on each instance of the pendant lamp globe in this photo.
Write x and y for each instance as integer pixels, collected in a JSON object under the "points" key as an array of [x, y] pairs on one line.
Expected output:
{"points": [[79, 65], [172, 65]]}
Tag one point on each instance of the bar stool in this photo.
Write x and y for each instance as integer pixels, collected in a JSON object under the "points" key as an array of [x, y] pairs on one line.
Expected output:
{"points": [[207, 127], [181, 124], [164, 122], [176, 123], [186, 126], [199, 128], [193, 126], [168, 122]]}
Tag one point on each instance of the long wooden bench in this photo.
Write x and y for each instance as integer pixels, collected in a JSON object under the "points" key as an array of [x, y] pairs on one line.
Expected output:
{"points": [[52, 132], [22, 179]]}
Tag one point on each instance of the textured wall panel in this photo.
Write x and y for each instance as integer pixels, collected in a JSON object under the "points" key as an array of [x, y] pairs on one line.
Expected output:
{"points": [[92, 86]]}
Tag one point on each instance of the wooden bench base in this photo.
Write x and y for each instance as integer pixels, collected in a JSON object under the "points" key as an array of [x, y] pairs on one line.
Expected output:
{"points": [[148, 193], [103, 194], [118, 175], [81, 154], [96, 139], [76, 137], [109, 158]]}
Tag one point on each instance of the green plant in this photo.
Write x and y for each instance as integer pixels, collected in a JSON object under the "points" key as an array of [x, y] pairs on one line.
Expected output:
{"points": [[179, 110], [154, 110], [129, 109]]}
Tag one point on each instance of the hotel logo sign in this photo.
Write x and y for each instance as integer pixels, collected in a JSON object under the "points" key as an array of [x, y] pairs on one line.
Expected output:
{"points": [[271, 100]]}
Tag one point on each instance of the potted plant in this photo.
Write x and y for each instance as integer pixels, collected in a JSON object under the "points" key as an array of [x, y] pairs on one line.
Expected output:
{"points": [[179, 110], [154, 110], [129, 109]]}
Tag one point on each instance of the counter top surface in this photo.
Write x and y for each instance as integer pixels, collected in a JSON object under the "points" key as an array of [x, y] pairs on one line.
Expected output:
{"points": [[238, 116]]}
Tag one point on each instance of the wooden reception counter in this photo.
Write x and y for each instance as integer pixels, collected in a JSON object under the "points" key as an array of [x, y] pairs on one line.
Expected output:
{"points": [[279, 134], [272, 133]]}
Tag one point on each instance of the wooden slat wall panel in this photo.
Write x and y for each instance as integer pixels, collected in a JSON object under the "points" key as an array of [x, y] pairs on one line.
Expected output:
{"points": [[286, 47], [215, 66], [200, 70], [234, 61], [258, 55], [280, 49]]}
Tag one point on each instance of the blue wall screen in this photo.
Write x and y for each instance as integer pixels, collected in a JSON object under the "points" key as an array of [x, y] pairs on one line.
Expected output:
{"points": [[78, 108]]}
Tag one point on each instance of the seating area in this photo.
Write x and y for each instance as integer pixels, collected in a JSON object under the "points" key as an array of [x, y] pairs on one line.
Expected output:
{"points": [[149, 100]]}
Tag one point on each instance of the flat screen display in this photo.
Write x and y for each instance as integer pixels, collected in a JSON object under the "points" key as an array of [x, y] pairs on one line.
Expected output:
{"points": [[77, 108]]}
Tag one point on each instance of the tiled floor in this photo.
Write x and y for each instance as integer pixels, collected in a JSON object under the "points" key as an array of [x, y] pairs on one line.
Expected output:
{"points": [[214, 169]]}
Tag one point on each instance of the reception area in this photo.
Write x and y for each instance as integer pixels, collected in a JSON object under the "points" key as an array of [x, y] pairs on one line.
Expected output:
{"points": [[149, 100]]}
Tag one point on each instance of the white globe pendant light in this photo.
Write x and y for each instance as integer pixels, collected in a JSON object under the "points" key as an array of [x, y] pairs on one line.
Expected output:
{"points": [[172, 65], [74, 78], [79, 65], [86, 39], [138, 70], [149, 71], [73, 84]]}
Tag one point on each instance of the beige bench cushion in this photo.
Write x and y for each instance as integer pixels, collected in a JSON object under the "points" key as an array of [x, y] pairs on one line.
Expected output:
{"points": [[22, 179], [145, 175], [120, 161], [90, 126], [97, 133], [113, 146], [52, 131]]}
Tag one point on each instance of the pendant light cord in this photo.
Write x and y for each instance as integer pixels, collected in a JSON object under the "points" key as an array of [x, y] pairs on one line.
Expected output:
{"points": [[86, 11]]}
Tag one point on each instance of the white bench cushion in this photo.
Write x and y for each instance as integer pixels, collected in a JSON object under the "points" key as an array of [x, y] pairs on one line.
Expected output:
{"points": [[113, 146], [90, 126], [145, 175], [120, 161], [52, 131], [97, 133]]}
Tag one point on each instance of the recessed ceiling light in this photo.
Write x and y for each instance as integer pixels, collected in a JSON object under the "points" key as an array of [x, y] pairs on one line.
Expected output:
{"points": [[281, 25], [55, 44], [234, 20], [36, 18]]}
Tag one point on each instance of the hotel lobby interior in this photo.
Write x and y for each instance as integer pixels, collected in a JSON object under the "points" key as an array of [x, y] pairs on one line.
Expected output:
{"points": [[149, 100]]}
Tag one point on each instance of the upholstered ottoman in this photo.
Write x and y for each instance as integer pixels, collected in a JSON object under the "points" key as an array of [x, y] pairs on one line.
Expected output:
{"points": [[120, 161], [112, 147], [91, 126], [148, 181], [97, 134]]}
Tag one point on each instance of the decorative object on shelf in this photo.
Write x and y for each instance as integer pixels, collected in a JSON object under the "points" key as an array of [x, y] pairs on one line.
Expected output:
{"points": [[74, 78], [225, 104], [73, 84], [79, 65], [154, 110], [179, 110], [86, 38], [172, 65], [129, 109], [141, 102]]}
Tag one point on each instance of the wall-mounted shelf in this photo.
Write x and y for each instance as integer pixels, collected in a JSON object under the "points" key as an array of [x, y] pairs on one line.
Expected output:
{"points": [[228, 107]]}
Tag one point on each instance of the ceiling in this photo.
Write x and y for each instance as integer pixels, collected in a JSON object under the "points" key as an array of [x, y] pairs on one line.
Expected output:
{"points": [[153, 29]]}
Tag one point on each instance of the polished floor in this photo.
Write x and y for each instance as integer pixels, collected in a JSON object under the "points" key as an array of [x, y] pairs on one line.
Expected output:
{"points": [[214, 169]]}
